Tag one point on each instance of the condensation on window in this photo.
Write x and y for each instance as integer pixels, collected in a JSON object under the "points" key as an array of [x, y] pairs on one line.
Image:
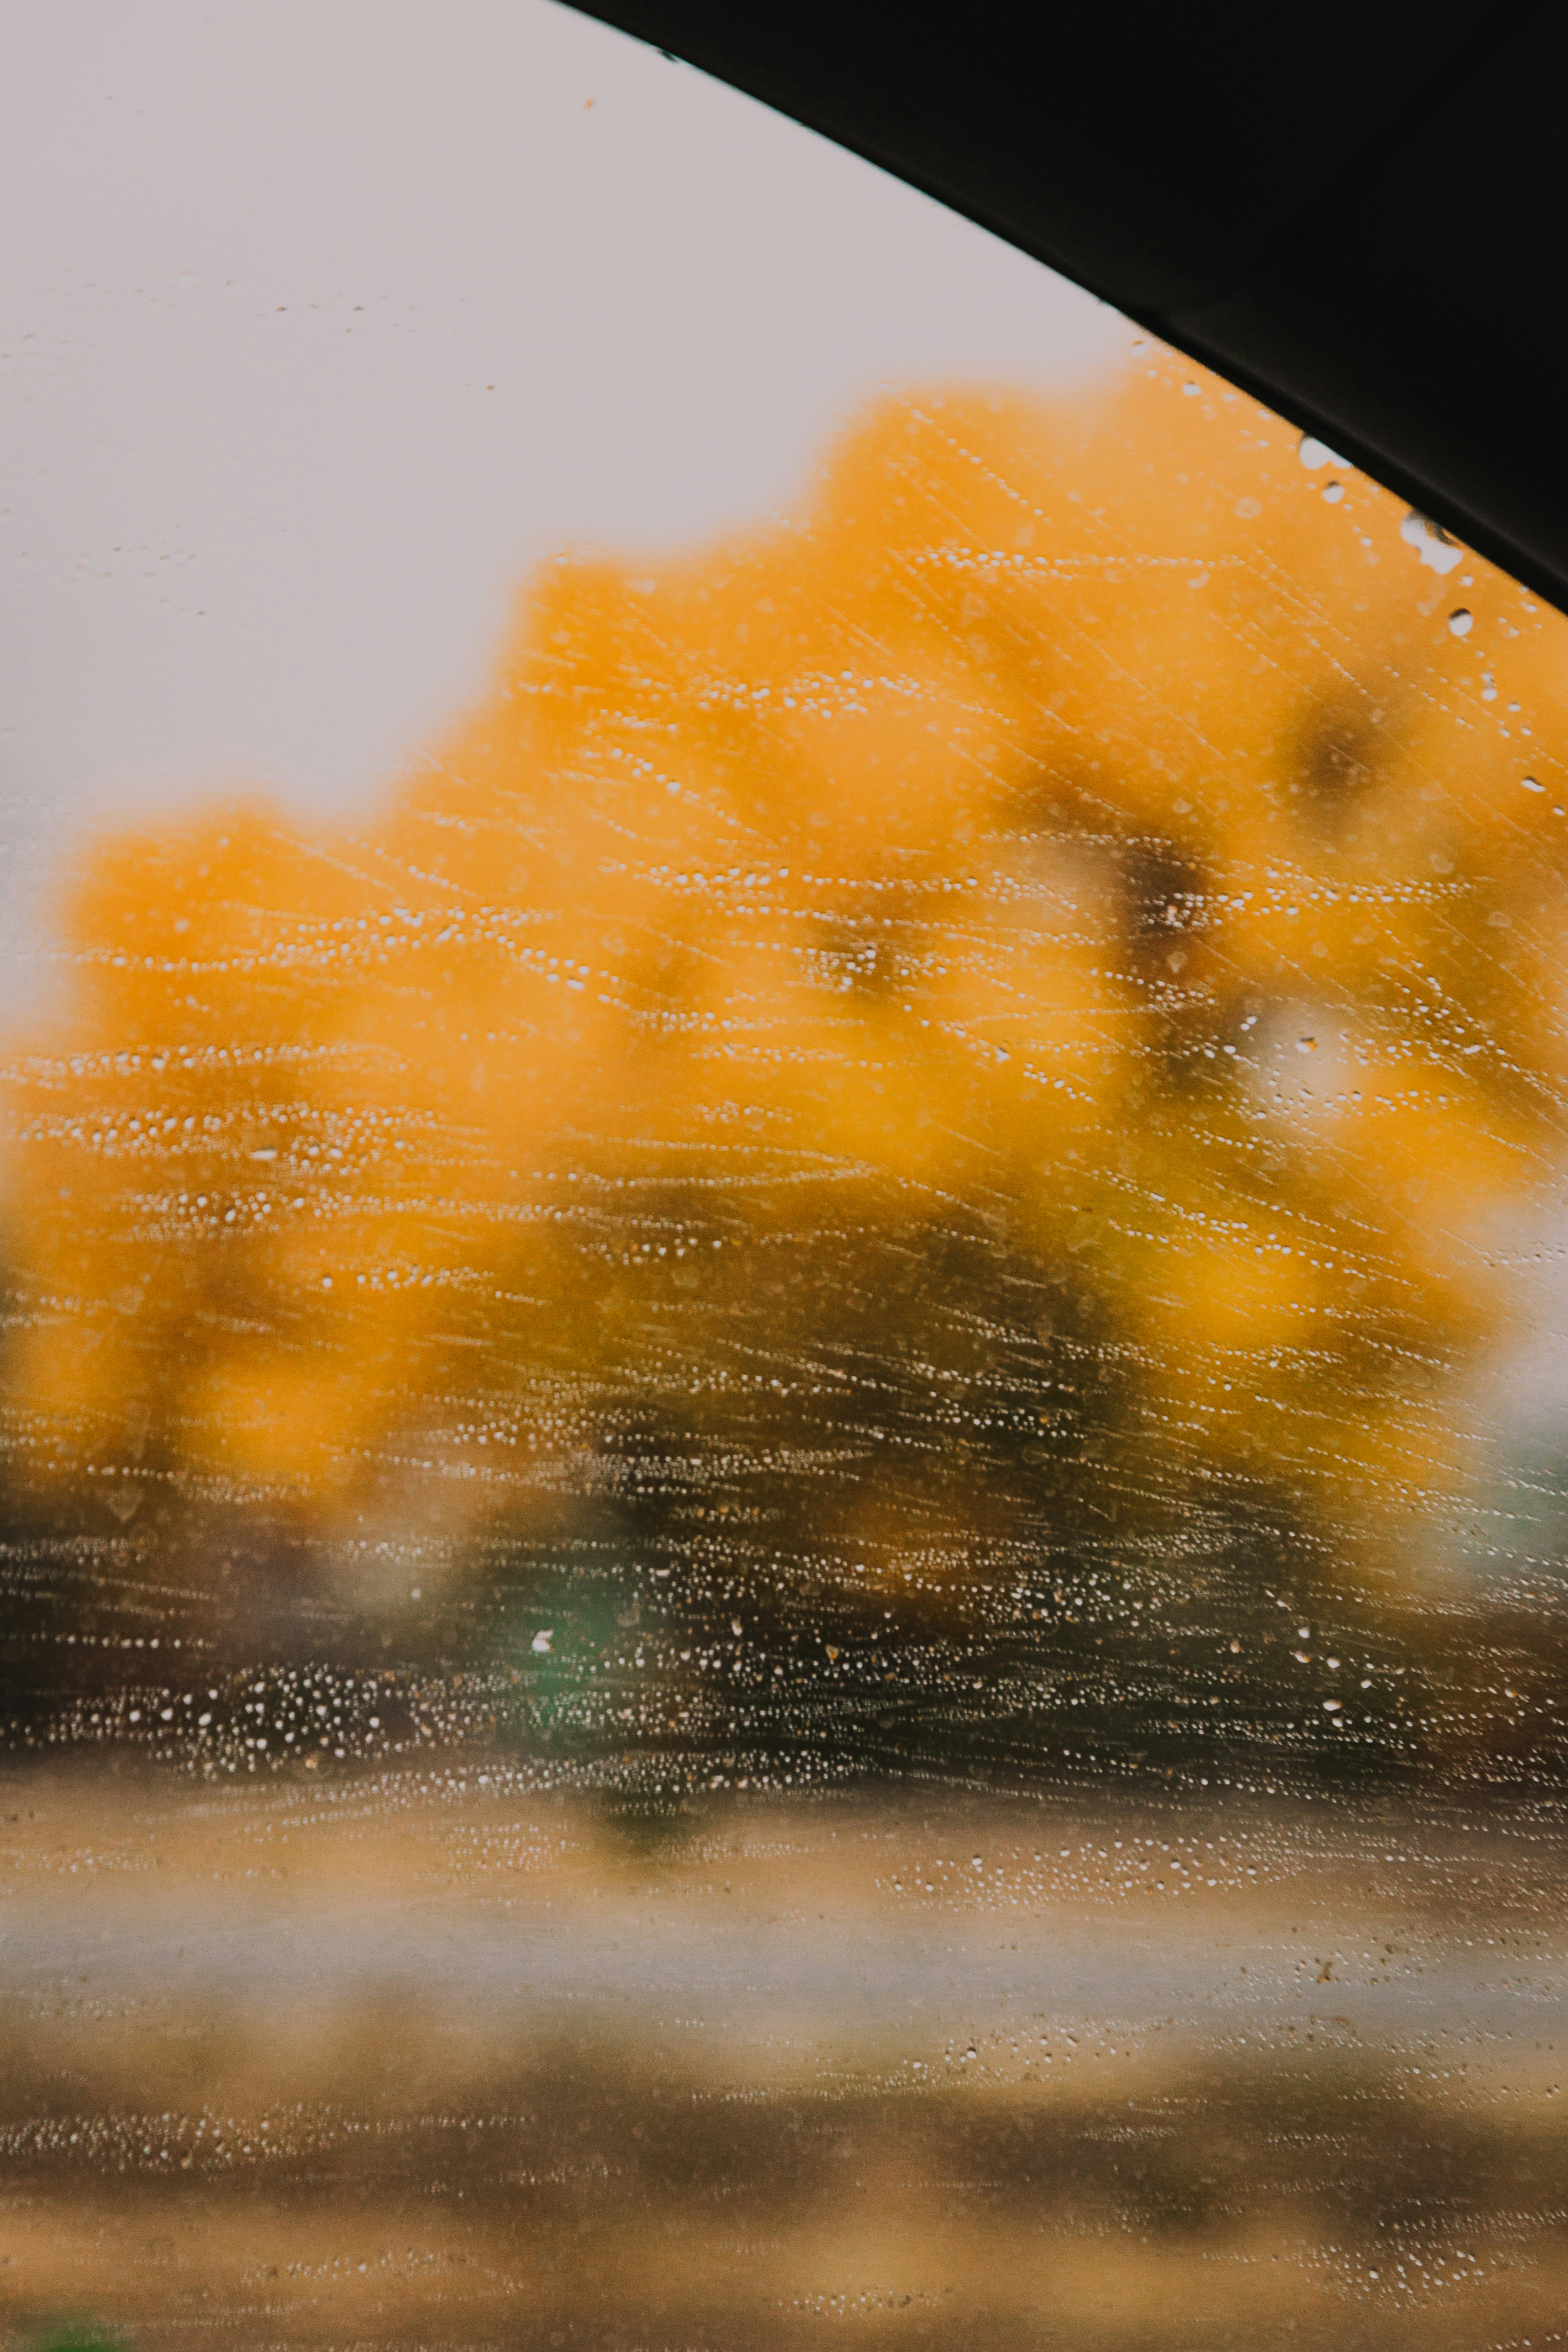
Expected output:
{"points": [[784, 1504]]}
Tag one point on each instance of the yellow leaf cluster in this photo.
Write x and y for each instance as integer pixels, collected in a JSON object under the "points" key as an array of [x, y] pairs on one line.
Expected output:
{"points": [[1063, 935]]}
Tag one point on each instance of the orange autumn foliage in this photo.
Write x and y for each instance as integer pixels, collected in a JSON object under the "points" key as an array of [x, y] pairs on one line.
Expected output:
{"points": [[1001, 847]]}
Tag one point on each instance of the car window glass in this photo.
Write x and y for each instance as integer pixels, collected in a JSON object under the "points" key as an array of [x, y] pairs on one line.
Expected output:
{"points": [[783, 1239]]}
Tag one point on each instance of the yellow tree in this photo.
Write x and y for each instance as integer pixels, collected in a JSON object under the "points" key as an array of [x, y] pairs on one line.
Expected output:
{"points": [[1029, 991]]}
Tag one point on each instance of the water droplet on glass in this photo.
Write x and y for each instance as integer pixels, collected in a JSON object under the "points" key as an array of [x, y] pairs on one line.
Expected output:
{"points": [[1431, 542], [1314, 453]]}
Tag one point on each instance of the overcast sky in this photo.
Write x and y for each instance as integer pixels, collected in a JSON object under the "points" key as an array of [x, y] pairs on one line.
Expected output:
{"points": [[322, 319]]}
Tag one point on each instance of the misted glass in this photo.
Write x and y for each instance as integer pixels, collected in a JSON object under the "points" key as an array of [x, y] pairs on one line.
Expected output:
{"points": [[784, 1500]]}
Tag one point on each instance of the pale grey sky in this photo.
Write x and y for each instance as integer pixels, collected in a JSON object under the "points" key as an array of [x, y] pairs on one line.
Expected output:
{"points": [[324, 318]]}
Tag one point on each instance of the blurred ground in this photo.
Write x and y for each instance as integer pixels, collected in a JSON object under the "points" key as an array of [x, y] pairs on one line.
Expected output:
{"points": [[419, 2058]]}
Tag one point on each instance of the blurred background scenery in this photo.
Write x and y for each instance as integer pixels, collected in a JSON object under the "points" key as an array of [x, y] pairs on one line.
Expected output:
{"points": [[783, 1497]]}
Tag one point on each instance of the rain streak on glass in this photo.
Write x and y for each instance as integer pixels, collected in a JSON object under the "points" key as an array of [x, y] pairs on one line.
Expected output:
{"points": [[784, 1507]]}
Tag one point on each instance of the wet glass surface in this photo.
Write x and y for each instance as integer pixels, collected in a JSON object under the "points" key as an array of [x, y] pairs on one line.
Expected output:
{"points": [[782, 1547]]}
